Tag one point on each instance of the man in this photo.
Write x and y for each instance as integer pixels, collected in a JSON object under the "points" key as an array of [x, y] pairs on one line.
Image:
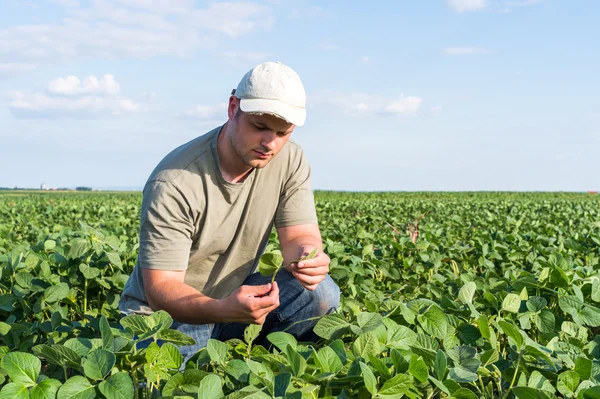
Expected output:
{"points": [[207, 213]]}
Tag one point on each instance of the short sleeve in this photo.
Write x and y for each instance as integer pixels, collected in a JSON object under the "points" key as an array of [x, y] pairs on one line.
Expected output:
{"points": [[166, 228], [297, 202]]}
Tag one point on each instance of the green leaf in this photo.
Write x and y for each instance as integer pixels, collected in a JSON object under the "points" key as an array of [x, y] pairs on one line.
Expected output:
{"points": [[14, 390], [79, 247], [269, 263], [238, 369], [49, 245], [465, 364], [311, 255], [211, 387], [217, 351], [77, 387], [252, 332], [56, 293], [22, 368], [400, 384], [81, 346], [465, 295], [46, 389], [418, 369], [89, 272], [176, 337], [545, 322], [368, 321], [98, 364], [115, 259], [567, 383], [328, 360], [484, 328], [530, 393], [513, 332], [297, 362], [536, 303], [365, 345], [108, 340], [464, 393], [434, 322], [583, 367], [281, 339], [282, 382], [591, 393], [538, 381], [169, 356], [174, 384], [4, 328], [511, 303], [399, 337], [369, 378], [331, 327], [440, 366], [117, 386]]}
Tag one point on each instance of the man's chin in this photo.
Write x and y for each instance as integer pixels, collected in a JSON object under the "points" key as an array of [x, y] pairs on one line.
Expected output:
{"points": [[258, 163]]}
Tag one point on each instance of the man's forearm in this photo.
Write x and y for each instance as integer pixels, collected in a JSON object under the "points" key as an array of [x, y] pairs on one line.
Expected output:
{"points": [[185, 304]]}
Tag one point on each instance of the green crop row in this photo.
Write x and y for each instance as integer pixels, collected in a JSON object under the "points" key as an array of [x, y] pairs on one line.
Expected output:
{"points": [[471, 295]]}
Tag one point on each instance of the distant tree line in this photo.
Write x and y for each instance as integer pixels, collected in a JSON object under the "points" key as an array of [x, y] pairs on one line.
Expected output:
{"points": [[37, 189]]}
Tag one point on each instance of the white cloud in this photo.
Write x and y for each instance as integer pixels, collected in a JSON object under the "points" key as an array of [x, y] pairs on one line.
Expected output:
{"points": [[71, 85], [132, 28], [369, 104], [403, 105], [365, 58], [207, 111], [465, 50], [71, 98], [467, 5]]}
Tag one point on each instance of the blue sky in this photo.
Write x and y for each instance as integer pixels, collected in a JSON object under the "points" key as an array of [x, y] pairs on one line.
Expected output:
{"points": [[402, 95]]}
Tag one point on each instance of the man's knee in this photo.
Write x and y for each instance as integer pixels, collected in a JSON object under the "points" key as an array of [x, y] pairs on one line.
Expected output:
{"points": [[327, 296]]}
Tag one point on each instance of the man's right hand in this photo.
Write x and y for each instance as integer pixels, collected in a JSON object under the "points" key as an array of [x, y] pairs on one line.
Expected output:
{"points": [[251, 304]]}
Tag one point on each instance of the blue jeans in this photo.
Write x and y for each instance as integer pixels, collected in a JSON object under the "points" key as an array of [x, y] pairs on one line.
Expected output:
{"points": [[295, 304]]}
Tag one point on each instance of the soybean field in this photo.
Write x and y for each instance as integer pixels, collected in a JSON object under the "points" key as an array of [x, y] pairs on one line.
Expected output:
{"points": [[444, 295]]}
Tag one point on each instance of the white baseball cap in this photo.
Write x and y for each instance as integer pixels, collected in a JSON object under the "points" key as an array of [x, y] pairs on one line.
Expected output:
{"points": [[273, 88]]}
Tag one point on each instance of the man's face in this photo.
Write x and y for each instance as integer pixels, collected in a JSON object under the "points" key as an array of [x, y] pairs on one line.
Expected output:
{"points": [[257, 138]]}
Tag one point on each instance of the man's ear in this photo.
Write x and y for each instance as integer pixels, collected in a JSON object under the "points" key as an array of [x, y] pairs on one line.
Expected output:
{"points": [[234, 105]]}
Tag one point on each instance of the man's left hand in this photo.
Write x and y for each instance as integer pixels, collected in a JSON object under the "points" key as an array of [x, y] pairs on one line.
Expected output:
{"points": [[310, 272]]}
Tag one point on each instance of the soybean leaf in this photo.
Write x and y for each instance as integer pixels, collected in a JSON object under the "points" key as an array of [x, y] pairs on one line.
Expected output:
{"points": [[369, 378], [77, 387], [465, 295], [269, 263], [22, 368], [98, 364], [511, 303], [45, 389], [211, 387], [117, 386], [251, 332], [14, 390]]}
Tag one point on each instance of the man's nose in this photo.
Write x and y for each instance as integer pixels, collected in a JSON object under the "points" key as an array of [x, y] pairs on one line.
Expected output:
{"points": [[268, 140]]}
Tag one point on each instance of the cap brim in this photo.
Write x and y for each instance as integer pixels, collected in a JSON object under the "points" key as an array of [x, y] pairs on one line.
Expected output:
{"points": [[288, 112]]}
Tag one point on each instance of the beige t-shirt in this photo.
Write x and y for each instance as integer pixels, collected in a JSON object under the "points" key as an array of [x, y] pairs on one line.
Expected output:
{"points": [[194, 220]]}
